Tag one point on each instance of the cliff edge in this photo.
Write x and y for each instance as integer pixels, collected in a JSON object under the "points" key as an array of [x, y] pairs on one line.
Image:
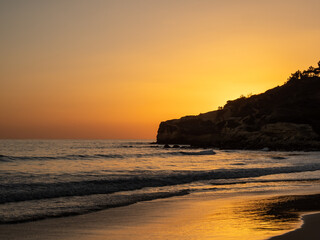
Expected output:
{"points": [[286, 117]]}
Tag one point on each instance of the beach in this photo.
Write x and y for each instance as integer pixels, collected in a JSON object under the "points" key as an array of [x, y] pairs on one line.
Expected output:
{"points": [[68, 189], [160, 120], [308, 230], [185, 217]]}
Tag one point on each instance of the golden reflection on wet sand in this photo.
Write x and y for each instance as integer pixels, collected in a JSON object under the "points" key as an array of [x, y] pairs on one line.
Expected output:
{"points": [[220, 219], [187, 217]]}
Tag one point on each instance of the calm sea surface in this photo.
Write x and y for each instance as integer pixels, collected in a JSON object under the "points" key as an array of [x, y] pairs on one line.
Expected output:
{"points": [[42, 179]]}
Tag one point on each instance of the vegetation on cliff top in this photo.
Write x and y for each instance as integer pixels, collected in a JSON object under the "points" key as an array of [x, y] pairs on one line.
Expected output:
{"points": [[286, 116]]}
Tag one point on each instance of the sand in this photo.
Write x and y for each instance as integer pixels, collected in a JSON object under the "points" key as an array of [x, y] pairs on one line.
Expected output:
{"points": [[185, 217], [310, 229]]}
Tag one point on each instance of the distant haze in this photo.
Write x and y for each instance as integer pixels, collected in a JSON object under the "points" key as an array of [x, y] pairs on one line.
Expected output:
{"points": [[115, 69]]}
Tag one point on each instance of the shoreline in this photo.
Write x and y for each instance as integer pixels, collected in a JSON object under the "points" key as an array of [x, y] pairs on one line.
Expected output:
{"points": [[198, 216], [309, 229], [181, 145]]}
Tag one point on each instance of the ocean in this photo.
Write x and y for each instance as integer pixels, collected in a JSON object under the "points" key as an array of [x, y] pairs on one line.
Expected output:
{"points": [[54, 178]]}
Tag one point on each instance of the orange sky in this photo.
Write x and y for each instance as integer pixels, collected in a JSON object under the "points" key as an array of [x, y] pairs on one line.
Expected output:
{"points": [[115, 69]]}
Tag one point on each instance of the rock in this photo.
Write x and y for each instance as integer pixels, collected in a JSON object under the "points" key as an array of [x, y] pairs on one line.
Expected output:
{"points": [[286, 117]]}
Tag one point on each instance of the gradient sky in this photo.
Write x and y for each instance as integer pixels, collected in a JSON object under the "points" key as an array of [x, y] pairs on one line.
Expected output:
{"points": [[116, 69]]}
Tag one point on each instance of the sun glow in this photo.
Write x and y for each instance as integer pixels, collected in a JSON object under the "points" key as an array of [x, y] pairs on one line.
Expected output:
{"points": [[116, 70]]}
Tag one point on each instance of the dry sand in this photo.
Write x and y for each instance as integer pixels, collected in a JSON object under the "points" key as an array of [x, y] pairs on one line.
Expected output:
{"points": [[310, 229]]}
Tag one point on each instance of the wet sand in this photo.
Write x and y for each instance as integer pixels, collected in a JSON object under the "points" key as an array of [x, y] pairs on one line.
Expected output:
{"points": [[185, 217]]}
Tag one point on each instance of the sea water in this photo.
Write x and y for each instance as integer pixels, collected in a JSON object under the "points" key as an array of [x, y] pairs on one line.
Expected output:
{"points": [[54, 178]]}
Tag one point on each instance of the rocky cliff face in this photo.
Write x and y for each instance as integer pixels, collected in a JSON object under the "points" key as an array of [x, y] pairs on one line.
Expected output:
{"points": [[282, 118]]}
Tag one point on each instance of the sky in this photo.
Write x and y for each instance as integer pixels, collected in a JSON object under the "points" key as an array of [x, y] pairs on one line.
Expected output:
{"points": [[80, 69]]}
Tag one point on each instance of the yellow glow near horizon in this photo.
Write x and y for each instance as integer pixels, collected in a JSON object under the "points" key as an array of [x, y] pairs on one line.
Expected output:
{"points": [[109, 69]]}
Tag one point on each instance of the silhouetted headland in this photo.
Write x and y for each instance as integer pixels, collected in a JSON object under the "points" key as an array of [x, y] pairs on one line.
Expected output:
{"points": [[286, 117]]}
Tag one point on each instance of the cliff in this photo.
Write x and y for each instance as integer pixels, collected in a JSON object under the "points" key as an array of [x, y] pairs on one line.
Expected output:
{"points": [[286, 117]]}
